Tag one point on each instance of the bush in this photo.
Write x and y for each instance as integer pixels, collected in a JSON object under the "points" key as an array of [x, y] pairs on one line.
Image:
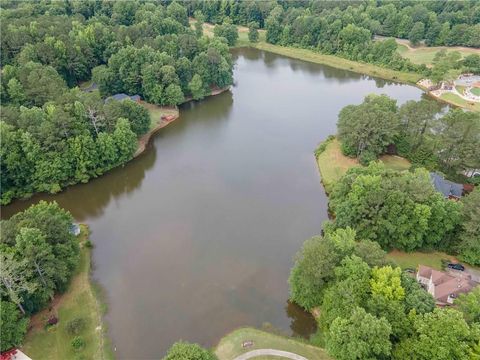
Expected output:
{"points": [[75, 326], [348, 150], [88, 244], [367, 156], [78, 343]]}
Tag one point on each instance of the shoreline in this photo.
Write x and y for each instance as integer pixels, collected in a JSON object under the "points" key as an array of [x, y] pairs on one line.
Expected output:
{"points": [[67, 307], [144, 140], [357, 67]]}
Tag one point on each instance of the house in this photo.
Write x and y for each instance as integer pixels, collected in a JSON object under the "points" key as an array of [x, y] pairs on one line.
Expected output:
{"points": [[444, 287], [448, 188], [122, 96]]}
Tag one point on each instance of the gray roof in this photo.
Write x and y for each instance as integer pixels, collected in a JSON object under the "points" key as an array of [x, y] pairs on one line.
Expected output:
{"points": [[446, 187]]}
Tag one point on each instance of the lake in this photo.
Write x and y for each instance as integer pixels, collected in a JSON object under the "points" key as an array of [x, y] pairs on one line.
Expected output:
{"points": [[197, 236]]}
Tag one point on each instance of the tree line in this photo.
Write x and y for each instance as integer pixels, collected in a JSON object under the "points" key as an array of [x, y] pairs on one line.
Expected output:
{"points": [[38, 257], [348, 29], [449, 142], [436, 22], [54, 134], [370, 309]]}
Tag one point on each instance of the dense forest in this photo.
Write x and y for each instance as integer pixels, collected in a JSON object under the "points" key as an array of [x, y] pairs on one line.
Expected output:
{"points": [[349, 28], [38, 257], [55, 134]]}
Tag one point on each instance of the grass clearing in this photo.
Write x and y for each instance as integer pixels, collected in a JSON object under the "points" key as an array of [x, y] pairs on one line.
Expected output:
{"points": [[411, 260], [230, 346], [156, 112], [424, 55], [80, 301], [332, 164], [456, 100]]}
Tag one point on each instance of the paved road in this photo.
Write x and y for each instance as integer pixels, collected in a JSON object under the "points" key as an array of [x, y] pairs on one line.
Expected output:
{"points": [[273, 352]]}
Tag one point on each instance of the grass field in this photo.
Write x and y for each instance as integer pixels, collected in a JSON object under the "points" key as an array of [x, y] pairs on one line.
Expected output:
{"points": [[413, 259], [458, 101], [80, 301], [425, 55], [332, 164], [230, 346], [475, 91]]}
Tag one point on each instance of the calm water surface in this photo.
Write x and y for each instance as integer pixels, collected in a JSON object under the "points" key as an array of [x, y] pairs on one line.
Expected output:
{"points": [[197, 236]]}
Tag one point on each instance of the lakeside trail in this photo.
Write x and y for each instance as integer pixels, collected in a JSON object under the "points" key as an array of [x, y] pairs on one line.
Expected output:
{"points": [[270, 352], [166, 115]]}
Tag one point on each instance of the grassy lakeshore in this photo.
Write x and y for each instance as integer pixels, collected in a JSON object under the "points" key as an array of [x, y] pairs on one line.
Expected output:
{"points": [[332, 164], [230, 346], [80, 301], [340, 63]]}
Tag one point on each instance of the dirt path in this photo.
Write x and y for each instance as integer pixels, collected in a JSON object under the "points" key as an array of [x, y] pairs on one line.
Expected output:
{"points": [[270, 352]]}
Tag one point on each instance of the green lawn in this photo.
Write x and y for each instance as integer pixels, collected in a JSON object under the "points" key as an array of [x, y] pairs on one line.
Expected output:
{"points": [[332, 164], [230, 346], [425, 55], [413, 259], [156, 113], [458, 101], [80, 301], [475, 91]]}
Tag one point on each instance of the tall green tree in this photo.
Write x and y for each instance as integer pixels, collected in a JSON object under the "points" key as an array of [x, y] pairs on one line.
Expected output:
{"points": [[469, 246], [13, 325], [366, 130], [186, 351], [360, 336]]}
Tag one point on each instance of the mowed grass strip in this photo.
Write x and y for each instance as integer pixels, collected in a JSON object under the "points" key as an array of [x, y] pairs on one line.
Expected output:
{"points": [[332, 164], [411, 260], [458, 101], [230, 346], [80, 301], [340, 63]]}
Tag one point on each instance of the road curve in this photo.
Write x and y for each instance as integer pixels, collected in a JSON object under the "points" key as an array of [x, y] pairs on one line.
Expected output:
{"points": [[273, 352]]}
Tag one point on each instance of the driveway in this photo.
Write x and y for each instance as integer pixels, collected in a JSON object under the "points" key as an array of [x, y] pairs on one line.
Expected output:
{"points": [[474, 272], [272, 352]]}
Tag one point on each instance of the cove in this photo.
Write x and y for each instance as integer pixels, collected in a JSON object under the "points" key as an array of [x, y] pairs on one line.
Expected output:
{"points": [[197, 235]]}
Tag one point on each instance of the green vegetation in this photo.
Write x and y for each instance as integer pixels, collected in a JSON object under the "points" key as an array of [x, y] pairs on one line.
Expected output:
{"points": [[372, 310], [79, 331], [469, 244], [426, 55], [55, 134], [399, 210], [332, 164], [458, 101], [185, 351], [475, 91], [338, 62], [411, 260], [366, 130], [230, 345]]}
